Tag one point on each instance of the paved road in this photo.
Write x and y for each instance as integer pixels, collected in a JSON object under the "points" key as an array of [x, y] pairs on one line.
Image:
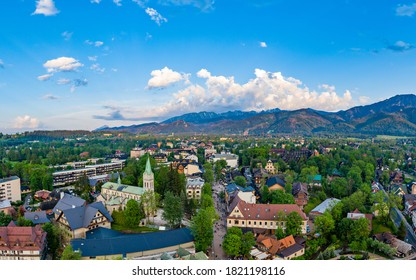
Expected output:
{"points": [[397, 217], [219, 226]]}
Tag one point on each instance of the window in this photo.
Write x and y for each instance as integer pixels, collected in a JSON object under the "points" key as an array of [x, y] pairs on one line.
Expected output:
{"points": [[249, 222], [260, 223], [265, 223], [255, 223], [236, 222]]}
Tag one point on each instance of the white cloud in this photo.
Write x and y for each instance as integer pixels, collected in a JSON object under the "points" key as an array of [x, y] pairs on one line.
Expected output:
{"points": [[117, 2], [406, 10], [267, 90], [364, 100], [92, 58], [63, 81], [263, 44], [96, 43], [67, 35], [45, 7], [165, 77], [45, 77], [96, 1], [1, 64], [62, 64], [97, 68], [155, 16], [26, 122], [204, 5]]}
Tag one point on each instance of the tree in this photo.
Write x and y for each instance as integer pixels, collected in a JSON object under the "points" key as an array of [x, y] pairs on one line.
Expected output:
{"points": [[247, 242], [133, 214], [206, 201], [380, 206], [172, 209], [281, 197], [53, 239], [149, 204], [401, 231], [208, 175], [265, 194], [232, 241], [4, 219], [325, 224], [293, 224], [339, 187], [70, 254], [240, 180], [355, 201], [280, 233], [22, 222], [307, 174], [202, 230]]}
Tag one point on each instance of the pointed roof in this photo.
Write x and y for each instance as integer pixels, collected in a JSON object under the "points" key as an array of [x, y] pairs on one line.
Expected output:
{"points": [[148, 169]]}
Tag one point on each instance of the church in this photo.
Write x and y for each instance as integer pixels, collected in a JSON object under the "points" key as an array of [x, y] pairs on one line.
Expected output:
{"points": [[115, 195]]}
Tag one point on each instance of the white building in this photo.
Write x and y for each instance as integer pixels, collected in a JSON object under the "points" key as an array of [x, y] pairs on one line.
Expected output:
{"points": [[10, 189], [194, 187], [231, 159]]}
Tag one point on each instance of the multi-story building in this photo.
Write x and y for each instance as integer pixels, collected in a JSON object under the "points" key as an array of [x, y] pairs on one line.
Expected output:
{"points": [[61, 178], [262, 218], [231, 159], [76, 217], [194, 187], [22, 243], [10, 189]]}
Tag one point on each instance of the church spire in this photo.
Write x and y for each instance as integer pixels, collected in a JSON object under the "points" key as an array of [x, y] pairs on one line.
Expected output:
{"points": [[148, 169]]}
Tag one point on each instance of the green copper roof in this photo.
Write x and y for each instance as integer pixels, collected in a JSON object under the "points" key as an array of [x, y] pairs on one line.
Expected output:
{"points": [[148, 169]]}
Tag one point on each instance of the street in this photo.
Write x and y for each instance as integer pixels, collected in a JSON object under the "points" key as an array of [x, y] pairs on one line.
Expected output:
{"points": [[220, 225]]}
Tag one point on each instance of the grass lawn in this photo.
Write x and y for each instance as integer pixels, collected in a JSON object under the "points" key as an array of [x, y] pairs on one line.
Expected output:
{"points": [[126, 229], [379, 227]]}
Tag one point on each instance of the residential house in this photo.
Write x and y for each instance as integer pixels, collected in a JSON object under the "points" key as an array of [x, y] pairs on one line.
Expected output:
{"points": [[270, 166], [42, 195], [38, 217], [327, 204], [375, 187], [194, 187], [7, 208], [286, 248], [261, 218], [22, 243], [260, 176], [76, 217], [315, 181], [300, 194], [102, 243], [356, 214], [396, 177], [233, 188], [275, 183], [404, 249]]}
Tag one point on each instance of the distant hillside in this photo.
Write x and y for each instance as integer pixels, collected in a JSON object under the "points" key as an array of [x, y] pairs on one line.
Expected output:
{"points": [[393, 116]]}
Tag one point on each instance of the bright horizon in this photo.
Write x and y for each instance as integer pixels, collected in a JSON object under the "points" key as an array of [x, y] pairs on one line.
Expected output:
{"points": [[87, 63]]}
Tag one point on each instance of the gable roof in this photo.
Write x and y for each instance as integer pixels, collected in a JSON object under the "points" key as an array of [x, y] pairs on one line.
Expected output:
{"points": [[275, 180], [290, 250], [38, 217], [123, 188], [81, 217], [67, 202], [327, 204], [299, 187], [267, 211], [130, 243]]}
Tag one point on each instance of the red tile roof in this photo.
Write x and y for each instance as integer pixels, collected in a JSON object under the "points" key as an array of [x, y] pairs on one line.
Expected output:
{"points": [[267, 211], [13, 237]]}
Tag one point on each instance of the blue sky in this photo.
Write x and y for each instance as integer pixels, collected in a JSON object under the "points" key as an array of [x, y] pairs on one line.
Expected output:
{"points": [[82, 64]]}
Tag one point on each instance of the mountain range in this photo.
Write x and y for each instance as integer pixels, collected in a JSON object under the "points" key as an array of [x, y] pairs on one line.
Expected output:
{"points": [[393, 116]]}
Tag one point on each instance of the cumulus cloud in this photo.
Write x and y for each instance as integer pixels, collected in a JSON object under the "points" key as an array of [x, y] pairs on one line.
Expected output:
{"points": [[45, 77], [267, 90], [92, 58], [62, 64], [78, 83], [26, 122], [50, 97], [165, 77], [117, 2], [1, 64], [406, 10], [400, 46], [263, 44], [67, 35], [45, 7], [155, 16], [96, 1]]}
